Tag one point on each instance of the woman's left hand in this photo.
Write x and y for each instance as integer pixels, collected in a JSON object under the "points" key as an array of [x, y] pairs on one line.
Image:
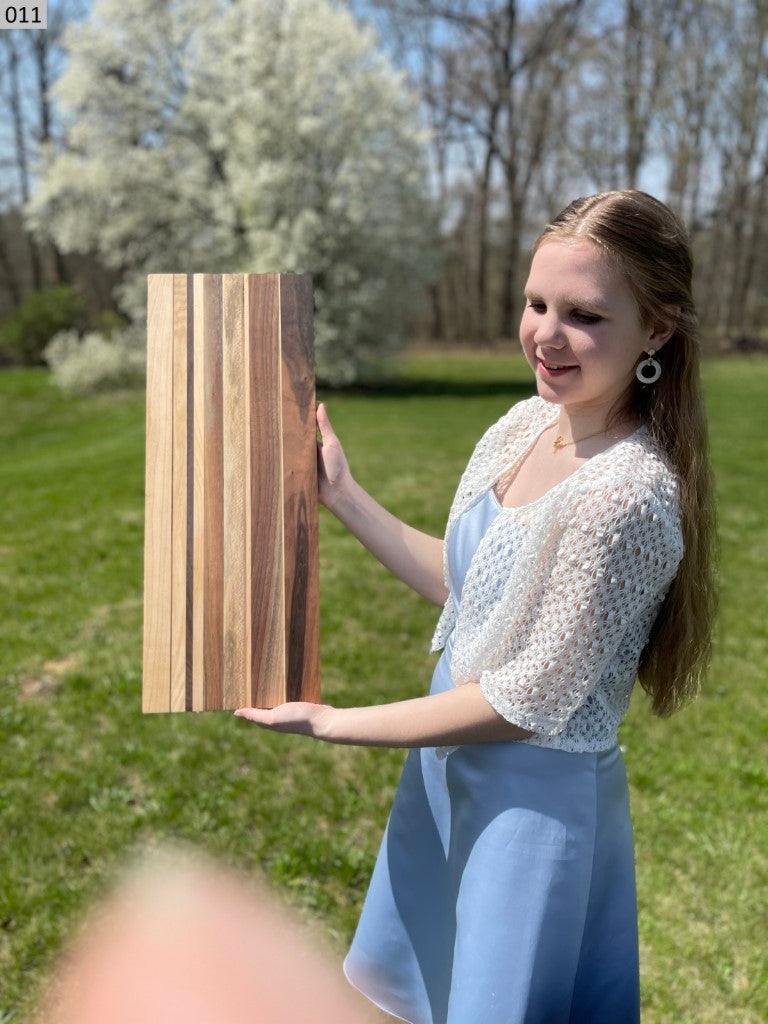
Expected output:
{"points": [[301, 717], [458, 715]]}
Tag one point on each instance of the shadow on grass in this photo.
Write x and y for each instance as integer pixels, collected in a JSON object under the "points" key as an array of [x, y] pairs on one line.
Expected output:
{"points": [[404, 387]]}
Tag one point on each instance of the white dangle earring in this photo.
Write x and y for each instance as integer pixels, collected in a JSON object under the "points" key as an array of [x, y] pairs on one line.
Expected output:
{"points": [[650, 364]]}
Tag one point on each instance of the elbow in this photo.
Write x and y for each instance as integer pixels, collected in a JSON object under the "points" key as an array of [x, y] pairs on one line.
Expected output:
{"points": [[506, 730]]}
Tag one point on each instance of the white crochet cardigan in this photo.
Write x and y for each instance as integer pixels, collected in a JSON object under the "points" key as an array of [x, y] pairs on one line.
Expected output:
{"points": [[554, 616]]}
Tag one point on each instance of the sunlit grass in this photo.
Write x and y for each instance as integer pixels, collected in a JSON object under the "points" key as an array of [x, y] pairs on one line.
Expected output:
{"points": [[86, 777]]}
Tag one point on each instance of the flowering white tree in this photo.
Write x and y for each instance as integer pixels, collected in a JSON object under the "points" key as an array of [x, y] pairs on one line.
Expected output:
{"points": [[245, 136]]}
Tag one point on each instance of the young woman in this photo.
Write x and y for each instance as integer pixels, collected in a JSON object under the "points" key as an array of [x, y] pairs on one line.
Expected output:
{"points": [[578, 557]]}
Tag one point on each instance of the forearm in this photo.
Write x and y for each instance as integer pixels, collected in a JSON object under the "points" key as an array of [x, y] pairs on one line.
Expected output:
{"points": [[460, 715], [414, 557]]}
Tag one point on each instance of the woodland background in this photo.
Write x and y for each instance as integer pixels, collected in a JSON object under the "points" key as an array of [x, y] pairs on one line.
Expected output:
{"points": [[502, 114]]}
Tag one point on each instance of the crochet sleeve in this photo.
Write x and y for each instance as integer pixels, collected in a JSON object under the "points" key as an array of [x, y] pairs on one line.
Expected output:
{"points": [[615, 560]]}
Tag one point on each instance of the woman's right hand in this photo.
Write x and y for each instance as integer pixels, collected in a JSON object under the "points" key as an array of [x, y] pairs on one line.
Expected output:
{"points": [[333, 473]]}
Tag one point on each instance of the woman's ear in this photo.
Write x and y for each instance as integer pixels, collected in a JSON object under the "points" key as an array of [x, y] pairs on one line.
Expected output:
{"points": [[664, 326]]}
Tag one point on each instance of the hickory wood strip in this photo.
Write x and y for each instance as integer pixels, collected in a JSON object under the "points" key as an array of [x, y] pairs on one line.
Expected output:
{"points": [[302, 622], [198, 496], [178, 424], [267, 668], [234, 693], [213, 613], [158, 512]]}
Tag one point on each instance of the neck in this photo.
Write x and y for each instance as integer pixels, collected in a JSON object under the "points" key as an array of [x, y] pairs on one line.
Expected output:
{"points": [[575, 423]]}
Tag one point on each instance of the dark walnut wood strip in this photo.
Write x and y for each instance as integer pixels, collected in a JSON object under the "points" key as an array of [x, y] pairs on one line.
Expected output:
{"points": [[302, 625]]}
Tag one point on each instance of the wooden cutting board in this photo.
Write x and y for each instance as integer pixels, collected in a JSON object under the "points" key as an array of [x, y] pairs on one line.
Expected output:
{"points": [[231, 573]]}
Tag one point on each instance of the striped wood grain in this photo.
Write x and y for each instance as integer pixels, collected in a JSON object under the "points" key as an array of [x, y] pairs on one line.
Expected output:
{"points": [[231, 578], [158, 495], [302, 623], [182, 475]]}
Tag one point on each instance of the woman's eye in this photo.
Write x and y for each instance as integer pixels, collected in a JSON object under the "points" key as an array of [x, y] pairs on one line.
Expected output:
{"points": [[538, 306], [586, 318]]}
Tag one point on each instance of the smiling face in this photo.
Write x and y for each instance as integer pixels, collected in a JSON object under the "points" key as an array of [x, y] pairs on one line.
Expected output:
{"points": [[581, 313]]}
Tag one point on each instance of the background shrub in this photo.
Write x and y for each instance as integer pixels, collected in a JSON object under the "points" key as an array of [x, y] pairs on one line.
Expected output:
{"points": [[95, 362], [40, 316]]}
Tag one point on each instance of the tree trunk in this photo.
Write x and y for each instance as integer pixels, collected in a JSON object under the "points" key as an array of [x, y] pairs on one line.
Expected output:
{"points": [[10, 277], [482, 231], [510, 266], [20, 136], [633, 62], [41, 48]]}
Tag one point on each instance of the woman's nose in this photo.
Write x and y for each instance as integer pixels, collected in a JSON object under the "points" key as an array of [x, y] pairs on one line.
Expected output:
{"points": [[549, 330]]}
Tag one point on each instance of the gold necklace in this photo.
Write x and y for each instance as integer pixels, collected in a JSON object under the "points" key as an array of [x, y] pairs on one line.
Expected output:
{"points": [[506, 478], [560, 441]]}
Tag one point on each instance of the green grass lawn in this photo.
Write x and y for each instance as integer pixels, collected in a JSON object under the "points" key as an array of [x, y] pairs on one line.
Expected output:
{"points": [[85, 778]]}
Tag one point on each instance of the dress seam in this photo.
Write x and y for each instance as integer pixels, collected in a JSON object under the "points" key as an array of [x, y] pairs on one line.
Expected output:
{"points": [[595, 759]]}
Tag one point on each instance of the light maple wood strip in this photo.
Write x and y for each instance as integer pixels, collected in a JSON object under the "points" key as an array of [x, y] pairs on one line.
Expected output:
{"points": [[198, 498], [302, 621], [178, 433], [267, 668], [213, 615], [158, 511], [234, 693]]}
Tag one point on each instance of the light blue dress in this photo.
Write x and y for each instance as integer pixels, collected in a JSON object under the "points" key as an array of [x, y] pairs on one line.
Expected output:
{"points": [[504, 889]]}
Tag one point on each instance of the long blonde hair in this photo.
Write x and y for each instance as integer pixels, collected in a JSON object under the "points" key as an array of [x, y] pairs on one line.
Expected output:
{"points": [[650, 245]]}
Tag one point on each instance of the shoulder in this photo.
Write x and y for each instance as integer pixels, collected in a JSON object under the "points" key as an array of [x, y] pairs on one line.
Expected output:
{"points": [[527, 414], [530, 411], [633, 491], [499, 445], [644, 472], [509, 434]]}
